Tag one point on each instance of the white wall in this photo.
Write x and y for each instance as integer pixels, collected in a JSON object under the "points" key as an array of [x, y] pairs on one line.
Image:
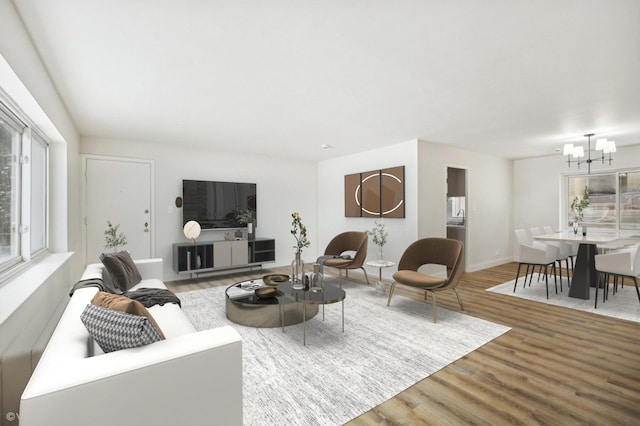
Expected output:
{"points": [[331, 217], [283, 186], [488, 201]]}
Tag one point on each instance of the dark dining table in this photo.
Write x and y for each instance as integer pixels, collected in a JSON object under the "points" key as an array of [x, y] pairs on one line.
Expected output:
{"points": [[584, 270]]}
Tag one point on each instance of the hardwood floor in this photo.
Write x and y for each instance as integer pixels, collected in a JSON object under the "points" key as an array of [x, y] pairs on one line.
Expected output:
{"points": [[555, 366]]}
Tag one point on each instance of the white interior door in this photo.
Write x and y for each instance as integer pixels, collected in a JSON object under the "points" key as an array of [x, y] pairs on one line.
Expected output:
{"points": [[119, 191]]}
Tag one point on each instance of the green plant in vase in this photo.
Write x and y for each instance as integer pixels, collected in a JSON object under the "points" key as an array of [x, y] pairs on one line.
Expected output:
{"points": [[113, 240], [577, 207], [379, 235], [299, 232]]}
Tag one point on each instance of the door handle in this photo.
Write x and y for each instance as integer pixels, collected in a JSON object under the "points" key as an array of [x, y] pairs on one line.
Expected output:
{"points": [[146, 227]]}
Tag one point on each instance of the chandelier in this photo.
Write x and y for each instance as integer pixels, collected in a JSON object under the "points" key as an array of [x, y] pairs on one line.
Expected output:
{"points": [[577, 152]]}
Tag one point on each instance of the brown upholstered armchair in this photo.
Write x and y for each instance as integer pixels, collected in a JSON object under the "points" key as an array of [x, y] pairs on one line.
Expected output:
{"points": [[347, 241], [439, 251]]}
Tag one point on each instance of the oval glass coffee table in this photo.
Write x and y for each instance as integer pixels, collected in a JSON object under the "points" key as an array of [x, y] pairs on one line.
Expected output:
{"points": [[245, 308], [312, 299]]}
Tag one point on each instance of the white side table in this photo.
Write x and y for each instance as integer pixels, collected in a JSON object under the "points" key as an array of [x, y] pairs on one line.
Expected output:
{"points": [[380, 264]]}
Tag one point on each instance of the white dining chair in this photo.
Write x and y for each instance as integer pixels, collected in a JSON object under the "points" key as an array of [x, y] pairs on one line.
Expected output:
{"points": [[567, 252], [619, 264], [532, 254], [563, 251]]}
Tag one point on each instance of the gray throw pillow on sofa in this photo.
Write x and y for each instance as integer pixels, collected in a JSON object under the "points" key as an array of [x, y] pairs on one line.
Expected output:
{"points": [[122, 269], [114, 330]]}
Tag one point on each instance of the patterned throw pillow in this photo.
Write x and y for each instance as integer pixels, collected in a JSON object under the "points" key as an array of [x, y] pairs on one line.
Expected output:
{"points": [[124, 304], [114, 330], [122, 269]]}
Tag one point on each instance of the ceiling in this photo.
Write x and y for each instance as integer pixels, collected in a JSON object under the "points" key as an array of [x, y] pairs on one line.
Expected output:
{"points": [[282, 77]]}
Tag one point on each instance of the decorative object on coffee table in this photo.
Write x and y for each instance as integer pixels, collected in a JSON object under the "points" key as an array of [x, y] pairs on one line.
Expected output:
{"points": [[266, 292], [299, 232], [275, 279]]}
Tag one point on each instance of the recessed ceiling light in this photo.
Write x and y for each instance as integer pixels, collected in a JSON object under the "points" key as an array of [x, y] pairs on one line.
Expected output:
{"points": [[325, 146]]}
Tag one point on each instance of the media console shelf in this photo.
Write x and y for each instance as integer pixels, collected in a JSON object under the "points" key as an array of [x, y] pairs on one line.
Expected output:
{"points": [[211, 256]]}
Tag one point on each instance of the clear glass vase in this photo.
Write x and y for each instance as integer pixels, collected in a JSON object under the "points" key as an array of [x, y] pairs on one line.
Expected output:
{"points": [[317, 279], [297, 271], [380, 253]]}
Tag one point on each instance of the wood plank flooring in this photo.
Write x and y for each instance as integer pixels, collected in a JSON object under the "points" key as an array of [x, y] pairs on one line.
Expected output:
{"points": [[556, 366]]}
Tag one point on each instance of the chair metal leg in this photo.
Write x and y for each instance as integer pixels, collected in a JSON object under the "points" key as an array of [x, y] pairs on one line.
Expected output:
{"points": [[459, 300], [517, 275], [393, 285], [598, 280], [546, 280], [635, 281], [433, 298], [366, 277], [340, 275]]}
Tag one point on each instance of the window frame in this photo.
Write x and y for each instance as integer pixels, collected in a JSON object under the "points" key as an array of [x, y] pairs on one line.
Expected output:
{"points": [[616, 173], [28, 134]]}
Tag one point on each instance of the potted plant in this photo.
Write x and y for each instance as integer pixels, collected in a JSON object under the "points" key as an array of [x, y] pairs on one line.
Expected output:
{"points": [[379, 235], [245, 217], [577, 207], [113, 240]]}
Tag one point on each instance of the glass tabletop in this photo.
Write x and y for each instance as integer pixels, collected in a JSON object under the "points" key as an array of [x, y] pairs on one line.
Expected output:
{"points": [[326, 295]]}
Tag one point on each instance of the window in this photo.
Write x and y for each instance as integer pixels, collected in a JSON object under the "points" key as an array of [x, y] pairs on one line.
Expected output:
{"points": [[630, 200], [23, 190], [614, 199]]}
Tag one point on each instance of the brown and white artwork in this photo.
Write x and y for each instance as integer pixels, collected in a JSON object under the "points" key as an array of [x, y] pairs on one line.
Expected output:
{"points": [[377, 193]]}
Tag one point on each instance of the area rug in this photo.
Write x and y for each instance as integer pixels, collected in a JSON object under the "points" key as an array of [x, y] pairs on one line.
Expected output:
{"points": [[339, 376], [624, 304]]}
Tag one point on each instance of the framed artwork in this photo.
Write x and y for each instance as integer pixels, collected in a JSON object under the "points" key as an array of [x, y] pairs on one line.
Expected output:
{"points": [[376, 193]]}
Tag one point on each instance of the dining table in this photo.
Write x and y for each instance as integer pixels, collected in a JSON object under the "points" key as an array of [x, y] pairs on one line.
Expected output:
{"points": [[584, 270]]}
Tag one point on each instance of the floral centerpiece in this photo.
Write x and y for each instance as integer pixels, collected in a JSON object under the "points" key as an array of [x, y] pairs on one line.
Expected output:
{"points": [[113, 240], [379, 235]]}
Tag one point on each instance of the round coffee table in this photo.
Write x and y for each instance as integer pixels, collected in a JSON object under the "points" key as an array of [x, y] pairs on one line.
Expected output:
{"points": [[312, 298], [245, 308]]}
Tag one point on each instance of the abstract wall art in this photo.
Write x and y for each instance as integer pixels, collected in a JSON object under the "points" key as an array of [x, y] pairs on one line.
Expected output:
{"points": [[377, 193]]}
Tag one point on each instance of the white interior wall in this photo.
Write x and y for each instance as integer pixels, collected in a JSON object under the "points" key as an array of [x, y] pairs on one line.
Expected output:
{"points": [[283, 186], [489, 194]]}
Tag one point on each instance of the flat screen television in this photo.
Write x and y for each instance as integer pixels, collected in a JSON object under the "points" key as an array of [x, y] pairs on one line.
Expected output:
{"points": [[216, 205]]}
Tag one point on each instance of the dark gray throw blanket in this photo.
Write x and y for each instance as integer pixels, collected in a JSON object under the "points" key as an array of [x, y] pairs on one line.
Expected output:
{"points": [[94, 282], [153, 296], [147, 296]]}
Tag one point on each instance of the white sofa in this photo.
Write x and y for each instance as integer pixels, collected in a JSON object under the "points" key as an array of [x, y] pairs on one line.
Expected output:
{"points": [[191, 378]]}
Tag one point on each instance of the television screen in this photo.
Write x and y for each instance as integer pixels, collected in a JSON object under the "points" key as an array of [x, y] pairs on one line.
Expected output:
{"points": [[218, 205]]}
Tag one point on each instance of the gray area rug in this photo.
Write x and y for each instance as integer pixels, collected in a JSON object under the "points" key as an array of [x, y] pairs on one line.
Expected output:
{"points": [[337, 376], [624, 304]]}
